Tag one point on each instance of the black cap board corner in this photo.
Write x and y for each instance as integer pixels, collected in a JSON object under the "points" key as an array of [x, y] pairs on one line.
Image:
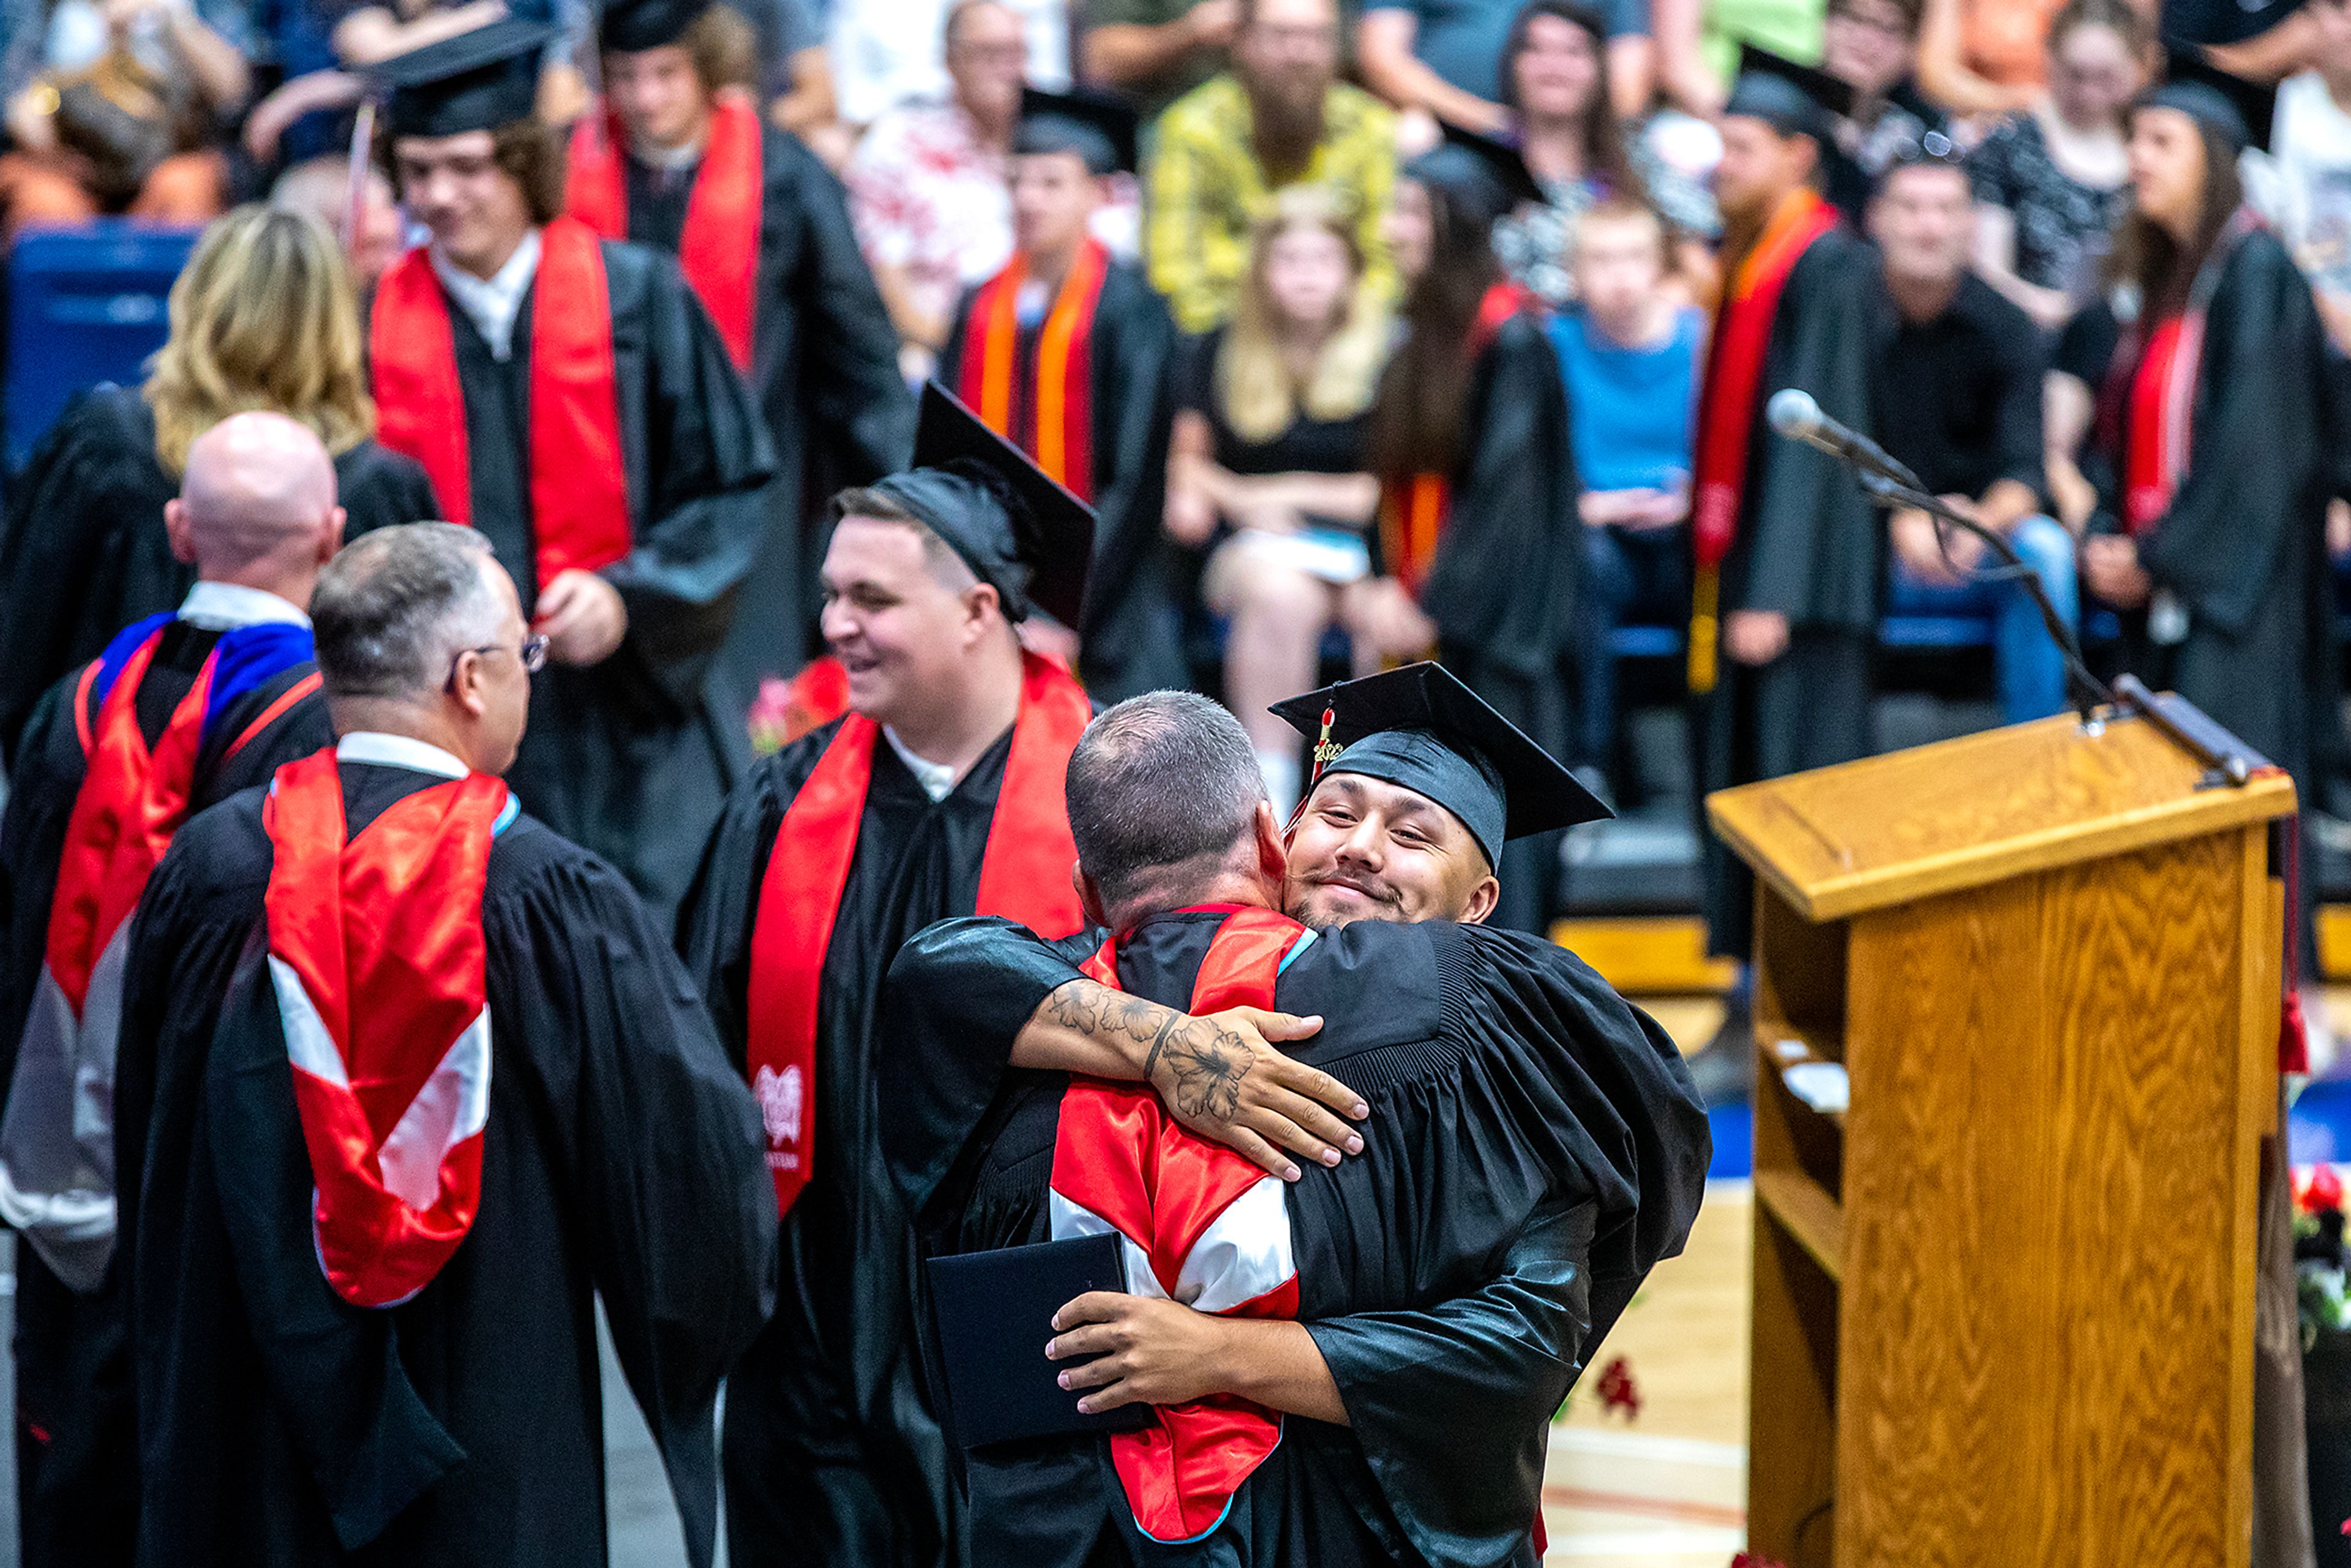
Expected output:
{"points": [[1794, 98], [1096, 126], [2196, 22], [2242, 112], [1419, 727], [484, 77], [1016, 530], [631, 26], [1482, 173]]}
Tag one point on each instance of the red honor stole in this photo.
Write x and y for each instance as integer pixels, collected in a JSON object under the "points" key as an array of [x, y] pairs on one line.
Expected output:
{"points": [[1726, 413], [578, 490], [720, 251], [2156, 451], [1024, 875], [1414, 511], [376, 957], [1200, 1225], [1061, 430]]}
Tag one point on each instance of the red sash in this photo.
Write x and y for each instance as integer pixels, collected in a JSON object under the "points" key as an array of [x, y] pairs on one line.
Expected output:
{"points": [[1122, 1163], [1060, 433], [1725, 413], [377, 960], [1024, 875], [1414, 512], [719, 250], [578, 490], [2156, 451]]}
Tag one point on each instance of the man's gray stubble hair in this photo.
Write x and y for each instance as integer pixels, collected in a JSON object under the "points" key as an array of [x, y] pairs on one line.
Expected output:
{"points": [[395, 607], [1161, 781]]}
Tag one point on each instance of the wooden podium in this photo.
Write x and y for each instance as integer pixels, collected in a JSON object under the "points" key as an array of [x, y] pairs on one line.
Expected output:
{"points": [[2003, 1304]]}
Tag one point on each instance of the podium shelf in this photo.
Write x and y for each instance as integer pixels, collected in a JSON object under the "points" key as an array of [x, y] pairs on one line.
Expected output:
{"points": [[1805, 1210]]}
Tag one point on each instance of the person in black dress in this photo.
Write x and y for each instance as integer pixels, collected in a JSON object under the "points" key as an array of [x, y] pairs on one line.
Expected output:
{"points": [[263, 318]]}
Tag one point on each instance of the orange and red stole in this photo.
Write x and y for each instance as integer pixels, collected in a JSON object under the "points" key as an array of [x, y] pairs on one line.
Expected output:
{"points": [[720, 251], [1726, 413], [1060, 431], [1024, 875], [1415, 510], [1200, 1225], [579, 488]]}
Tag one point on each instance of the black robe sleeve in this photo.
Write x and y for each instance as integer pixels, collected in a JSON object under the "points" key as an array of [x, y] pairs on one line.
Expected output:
{"points": [[1810, 544], [1503, 584], [378, 488], [860, 415], [43, 785], [1128, 642], [700, 464]]}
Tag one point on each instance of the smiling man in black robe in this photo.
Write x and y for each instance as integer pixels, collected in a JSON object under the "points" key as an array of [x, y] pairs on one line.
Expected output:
{"points": [[569, 396], [408, 1084], [1532, 1148], [680, 160]]}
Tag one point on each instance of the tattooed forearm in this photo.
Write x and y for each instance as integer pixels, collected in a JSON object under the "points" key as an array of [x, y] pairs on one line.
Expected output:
{"points": [[1109, 1017], [1203, 1067]]}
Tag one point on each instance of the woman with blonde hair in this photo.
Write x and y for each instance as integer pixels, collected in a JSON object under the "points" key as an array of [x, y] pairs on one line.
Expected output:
{"points": [[1268, 459], [262, 317]]}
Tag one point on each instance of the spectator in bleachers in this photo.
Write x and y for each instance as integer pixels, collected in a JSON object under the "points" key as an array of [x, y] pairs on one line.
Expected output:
{"points": [[1268, 451], [1451, 58], [1954, 395], [1156, 51], [1279, 117], [2209, 535], [321, 187], [1478, 541], [1555, 84], [886, 54], [134, 128], [926, 186], [2053, 181], [1985, 56], [2312, 151], [1872, 47], [263, 318], [1630, 353]]}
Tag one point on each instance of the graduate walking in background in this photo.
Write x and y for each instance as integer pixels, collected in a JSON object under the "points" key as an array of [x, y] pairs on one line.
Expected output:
{"points": [[181, 710]]}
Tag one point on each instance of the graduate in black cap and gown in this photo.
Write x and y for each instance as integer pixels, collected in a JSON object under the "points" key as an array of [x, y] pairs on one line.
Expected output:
{"points": [[677, 157], [569, 396], [1479, 542], [1786, 581], [1069, 353], [1531, 1146], [939, 794]]}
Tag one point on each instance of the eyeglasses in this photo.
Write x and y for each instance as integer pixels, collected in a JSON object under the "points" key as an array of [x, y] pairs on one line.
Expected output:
{"points": [[532, 652]]}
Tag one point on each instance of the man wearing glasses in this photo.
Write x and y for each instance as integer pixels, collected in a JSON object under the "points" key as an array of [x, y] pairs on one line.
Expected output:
{"points": [[408, 1081], [570, 397]]}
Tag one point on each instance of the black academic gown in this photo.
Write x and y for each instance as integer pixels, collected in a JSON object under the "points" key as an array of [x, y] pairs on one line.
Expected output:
{"points": [[278, 1424], [2243, 547], [85, 554], [76, 1463], [1129, 637], [1807, 545], [631, 757], [832, 1450], [1534, 1147], [1502, 587], [824, 370]]}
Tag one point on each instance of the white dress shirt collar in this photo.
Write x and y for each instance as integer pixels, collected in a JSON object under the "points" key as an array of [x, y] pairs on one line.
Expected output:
{"points": [[937, 778], [382, 750], [226, 606], [491, 303]]}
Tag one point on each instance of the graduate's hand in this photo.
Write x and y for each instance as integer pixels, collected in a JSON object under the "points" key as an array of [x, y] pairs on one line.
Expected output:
{"points": [[582, 618], [1221, 1075], [1755, 636], [1150, 1350], [2110, 565]]}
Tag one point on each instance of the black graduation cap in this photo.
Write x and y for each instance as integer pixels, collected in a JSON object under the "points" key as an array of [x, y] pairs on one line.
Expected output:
{"points": [[1485, 175], [1795, 101], [1419, 728], [2197, 21], [1018, 532], [1095, 126], [2240, 110], [630, 25], [480, 80]]}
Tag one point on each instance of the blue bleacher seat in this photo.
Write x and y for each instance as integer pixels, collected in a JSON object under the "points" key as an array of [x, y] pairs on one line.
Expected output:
{"points": [[1645, 641], [1931, 632], [85, 305]]}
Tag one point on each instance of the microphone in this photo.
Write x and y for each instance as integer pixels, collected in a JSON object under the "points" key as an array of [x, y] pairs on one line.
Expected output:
{"points": [[1794, 414]]}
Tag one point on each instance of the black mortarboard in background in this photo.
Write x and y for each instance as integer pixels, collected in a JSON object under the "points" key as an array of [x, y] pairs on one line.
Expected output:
{"points": [[631, 26], [478, 81], [1421, 729], [1018, 530], [2240, 110], [2195, 22], [1487, 177], [1097, 127], [1793, 100]]}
